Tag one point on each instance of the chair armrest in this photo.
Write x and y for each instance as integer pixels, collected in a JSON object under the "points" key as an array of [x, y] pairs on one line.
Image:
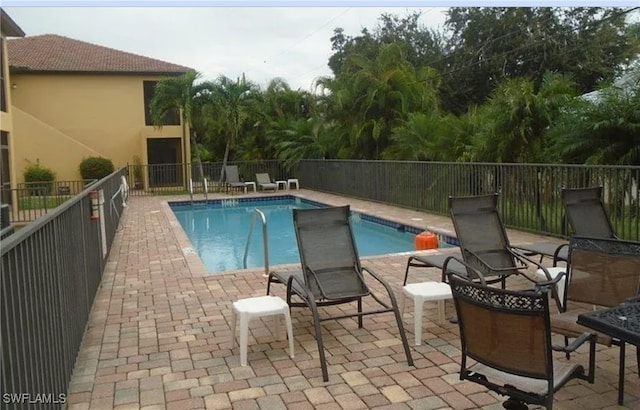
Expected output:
{"points": [[556, 254], [315, 277], [479, 274], [383, 283], [577, 342], [290, 291], [526, 261], [551, 282], [489, 270]]}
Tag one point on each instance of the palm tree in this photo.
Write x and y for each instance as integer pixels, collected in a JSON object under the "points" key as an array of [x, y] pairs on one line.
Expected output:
{"points": [[370, 97], [230, 105], [516, 118], [178, 93], [428, 136], [601, 132], [302, 138], [281, 101]]}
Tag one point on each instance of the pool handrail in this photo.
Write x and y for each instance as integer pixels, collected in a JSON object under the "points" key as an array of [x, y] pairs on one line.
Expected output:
{"points": [[265, 245]]}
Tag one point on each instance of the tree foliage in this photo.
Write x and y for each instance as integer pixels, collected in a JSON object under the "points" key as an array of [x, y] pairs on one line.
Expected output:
{"points": [[497, 84], [371, 97], [516, 119], [179, 93], [229, 107], [604, 131], [488, 45]]}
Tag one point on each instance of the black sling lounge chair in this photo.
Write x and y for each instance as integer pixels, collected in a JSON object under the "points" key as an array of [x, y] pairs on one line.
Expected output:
{"points": [[557, 252], [586, 216], [232, 178], [586, 213], [331, 273], [484, 242], [484, 245], [507, 335], [264, 182], [478, 219]]}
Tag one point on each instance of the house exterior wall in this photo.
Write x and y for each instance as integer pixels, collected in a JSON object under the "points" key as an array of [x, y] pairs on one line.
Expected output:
{"points": [[64, 118], [6, 127], [6, 123]]}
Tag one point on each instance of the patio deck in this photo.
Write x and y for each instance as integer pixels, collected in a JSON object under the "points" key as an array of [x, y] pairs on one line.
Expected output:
{"points": [[159, 337]]}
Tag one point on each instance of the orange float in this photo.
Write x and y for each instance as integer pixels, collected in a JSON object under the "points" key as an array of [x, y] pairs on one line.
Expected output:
{"points": [[426, 240]]}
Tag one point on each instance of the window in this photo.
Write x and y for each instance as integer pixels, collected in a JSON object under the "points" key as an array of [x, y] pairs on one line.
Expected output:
{"points": [[3, 94], [172, 117]]}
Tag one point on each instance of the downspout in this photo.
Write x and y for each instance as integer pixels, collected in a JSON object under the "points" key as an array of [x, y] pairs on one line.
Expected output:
{"points": [[184, 151]]}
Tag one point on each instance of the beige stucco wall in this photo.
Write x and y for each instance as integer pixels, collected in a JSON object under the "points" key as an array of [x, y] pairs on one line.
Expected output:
{"points": [[6, 123], [66, 117], [6, 118], [48, 146]]}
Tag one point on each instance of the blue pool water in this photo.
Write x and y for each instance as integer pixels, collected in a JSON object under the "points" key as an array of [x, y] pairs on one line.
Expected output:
{"points": [[219, 233]]}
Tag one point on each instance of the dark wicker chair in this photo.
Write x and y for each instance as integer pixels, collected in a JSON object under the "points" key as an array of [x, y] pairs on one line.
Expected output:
{"points": [[331, 273], [601, 272], [507, 334]]}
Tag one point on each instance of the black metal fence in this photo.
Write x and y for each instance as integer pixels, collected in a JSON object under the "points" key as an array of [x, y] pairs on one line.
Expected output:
{"points": [[51, 270], [56, 188], [174, 178], [31, 200], [529, 193]]}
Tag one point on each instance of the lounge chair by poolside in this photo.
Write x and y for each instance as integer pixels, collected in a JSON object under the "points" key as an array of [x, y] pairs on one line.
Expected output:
{"points": [[265, 182], [232, 178]]}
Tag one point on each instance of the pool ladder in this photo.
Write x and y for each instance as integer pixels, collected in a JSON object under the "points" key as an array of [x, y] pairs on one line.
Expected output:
{"points": [[258, 213], [205, 188]]}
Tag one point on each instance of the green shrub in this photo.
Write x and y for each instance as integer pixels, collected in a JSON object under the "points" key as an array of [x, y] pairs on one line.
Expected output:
{"points": [[38, 179], [95, 168]]}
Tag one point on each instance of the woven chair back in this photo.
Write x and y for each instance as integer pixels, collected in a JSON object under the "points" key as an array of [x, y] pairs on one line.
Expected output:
{"points": [[506, 330], [479, 229], [328, 252], [603, 271]]}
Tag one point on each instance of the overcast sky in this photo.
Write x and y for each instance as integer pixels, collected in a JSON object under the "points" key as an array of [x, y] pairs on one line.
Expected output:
{"points": [[263, 42]]}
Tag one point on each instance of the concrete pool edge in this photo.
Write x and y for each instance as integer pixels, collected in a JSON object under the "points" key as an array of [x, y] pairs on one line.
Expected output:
{"points": [[193, 261]]}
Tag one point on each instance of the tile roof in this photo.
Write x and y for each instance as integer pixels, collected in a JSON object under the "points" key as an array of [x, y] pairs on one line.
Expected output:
{"points": [[54, 53], [8, 26]]}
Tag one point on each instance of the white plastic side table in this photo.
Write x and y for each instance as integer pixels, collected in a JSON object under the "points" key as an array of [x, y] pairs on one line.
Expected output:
{"points": [[249, 184], [292, 181], [281, 183], [256, 307], [421, 292]]}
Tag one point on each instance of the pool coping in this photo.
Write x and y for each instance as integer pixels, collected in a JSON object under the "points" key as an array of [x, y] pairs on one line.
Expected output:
{"points": [[197, 267]]}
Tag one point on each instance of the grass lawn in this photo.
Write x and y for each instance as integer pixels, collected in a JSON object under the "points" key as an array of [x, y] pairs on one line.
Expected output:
{"points": [[42, 202]]}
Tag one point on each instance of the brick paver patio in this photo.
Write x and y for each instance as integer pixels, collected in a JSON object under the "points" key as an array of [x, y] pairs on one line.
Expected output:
{"points": [[159, 337]]}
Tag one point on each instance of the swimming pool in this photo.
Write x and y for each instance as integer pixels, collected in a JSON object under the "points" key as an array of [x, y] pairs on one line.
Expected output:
{"points": [[219, 230]]}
